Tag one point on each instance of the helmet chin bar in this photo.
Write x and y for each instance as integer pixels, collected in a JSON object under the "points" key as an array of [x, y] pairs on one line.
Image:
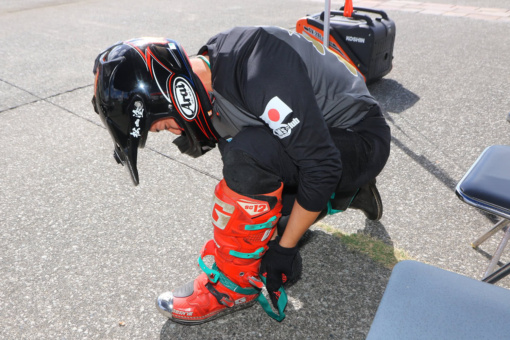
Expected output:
{"points": [[122, 158]]}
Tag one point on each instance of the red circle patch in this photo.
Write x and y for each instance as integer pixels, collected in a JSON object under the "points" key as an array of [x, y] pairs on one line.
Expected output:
{"points": [[274, 115]]}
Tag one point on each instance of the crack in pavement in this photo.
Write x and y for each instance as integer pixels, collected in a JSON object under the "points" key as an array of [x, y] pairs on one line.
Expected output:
{"points": [[46, 99], [39, 98]]}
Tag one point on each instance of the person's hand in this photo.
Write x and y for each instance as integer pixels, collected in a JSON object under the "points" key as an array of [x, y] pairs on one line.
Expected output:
{"points": [[279, 265]]}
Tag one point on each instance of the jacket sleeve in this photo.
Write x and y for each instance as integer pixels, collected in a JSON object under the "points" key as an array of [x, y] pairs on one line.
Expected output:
{"points": [[279, 91]]}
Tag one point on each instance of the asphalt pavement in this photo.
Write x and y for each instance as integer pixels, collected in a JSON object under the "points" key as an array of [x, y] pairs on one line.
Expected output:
{"points": [[84, 254]]}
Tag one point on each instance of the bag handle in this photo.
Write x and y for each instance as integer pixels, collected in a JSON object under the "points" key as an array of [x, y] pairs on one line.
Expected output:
{"points": [[348, 8], [370, 10], [356, 16]]}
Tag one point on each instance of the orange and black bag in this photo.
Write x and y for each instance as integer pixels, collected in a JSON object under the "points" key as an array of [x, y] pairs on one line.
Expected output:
{"points": [[363, 36]]}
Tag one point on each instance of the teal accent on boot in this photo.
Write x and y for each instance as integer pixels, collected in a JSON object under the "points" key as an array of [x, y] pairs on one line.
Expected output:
{"points": [[234, 287], [265, 225], [215, 275], [332, 211], [212, 273], [257, 254]]}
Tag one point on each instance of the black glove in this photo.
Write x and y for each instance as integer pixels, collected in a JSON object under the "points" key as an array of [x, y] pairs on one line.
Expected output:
{"points": [[279, 265]]}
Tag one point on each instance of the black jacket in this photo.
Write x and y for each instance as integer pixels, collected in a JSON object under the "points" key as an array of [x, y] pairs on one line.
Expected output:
{"points": [[268, 76]]}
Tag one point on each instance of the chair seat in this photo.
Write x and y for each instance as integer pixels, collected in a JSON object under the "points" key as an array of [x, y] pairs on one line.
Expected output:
{"points": [[426, 302], [487, 184]]}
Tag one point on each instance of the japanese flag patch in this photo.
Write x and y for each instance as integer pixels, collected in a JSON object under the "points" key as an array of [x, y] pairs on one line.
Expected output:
{"points": [[275, 113]]}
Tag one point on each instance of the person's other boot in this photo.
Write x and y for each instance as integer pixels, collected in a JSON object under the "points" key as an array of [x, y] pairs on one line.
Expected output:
{"points": [[369, 201]]}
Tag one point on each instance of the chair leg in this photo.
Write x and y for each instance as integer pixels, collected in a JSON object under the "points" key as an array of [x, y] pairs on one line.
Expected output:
{"points": [[498, 274], [497, 227], [497, 254]]}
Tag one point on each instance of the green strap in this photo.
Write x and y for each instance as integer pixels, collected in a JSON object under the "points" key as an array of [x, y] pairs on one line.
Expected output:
{"points": [[282, 303], [257, 254], [234, 287], [265, 225], [213, 274]]}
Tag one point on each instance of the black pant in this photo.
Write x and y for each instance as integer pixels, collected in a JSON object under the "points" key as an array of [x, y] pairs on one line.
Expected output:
{"points": [[254, 162]]}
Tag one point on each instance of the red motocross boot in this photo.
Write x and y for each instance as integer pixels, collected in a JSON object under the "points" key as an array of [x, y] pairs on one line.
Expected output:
{"points": [[243, 225]]}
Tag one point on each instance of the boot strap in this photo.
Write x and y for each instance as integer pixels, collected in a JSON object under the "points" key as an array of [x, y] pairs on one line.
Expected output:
{"points": [[266, 225], [215, 275], [222, 298], [281, 304], [208, 249]]}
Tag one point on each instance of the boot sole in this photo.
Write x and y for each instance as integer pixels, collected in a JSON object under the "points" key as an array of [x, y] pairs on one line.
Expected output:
{"points": [[221, 313]]}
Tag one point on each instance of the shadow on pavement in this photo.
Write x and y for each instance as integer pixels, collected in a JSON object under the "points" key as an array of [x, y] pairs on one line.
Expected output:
{"points": [[392, 95], [336, 298], [395, 98], [428, 165], [376, 230]]}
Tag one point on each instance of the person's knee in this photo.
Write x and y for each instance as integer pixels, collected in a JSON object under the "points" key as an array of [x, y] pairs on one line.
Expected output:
{"points": [[254, 162], [245, 175]]}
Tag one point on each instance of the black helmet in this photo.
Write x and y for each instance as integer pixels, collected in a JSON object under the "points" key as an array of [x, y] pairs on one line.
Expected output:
{"points": [[141, 81]]}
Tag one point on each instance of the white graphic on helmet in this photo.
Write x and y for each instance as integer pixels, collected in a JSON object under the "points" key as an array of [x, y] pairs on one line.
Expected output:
{"points": [[185, 98], [138, 114], [135, 132], [275, 113]]}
